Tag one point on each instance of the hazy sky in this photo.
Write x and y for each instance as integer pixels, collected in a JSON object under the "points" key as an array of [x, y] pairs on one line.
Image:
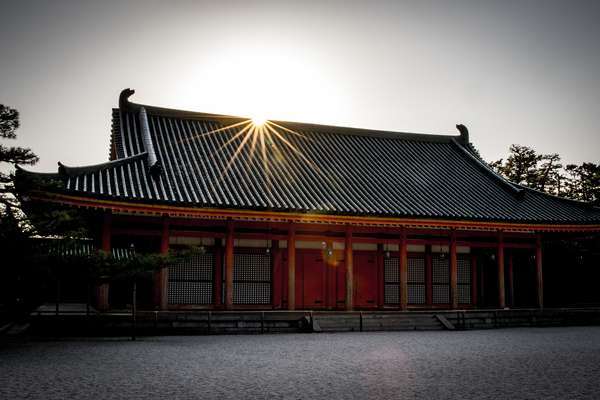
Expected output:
{"points": [[522, 72]]}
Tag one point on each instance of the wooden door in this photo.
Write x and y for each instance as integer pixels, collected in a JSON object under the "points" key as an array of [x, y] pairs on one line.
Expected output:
{"points": [[310, 279], [365, 279]]}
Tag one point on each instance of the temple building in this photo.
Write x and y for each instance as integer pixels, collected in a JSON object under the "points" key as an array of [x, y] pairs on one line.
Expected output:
{"points": [[302, 216]]}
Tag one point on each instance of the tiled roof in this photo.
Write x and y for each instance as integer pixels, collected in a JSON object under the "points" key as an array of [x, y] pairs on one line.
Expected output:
{"points": [[307, 168]]}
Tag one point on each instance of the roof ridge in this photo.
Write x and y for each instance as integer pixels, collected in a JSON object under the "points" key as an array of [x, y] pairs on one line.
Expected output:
{"points": [[521, 189], [125, 104], [352, 131], [517, 192]]}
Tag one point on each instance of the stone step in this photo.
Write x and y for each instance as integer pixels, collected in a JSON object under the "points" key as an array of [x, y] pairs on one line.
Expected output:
{"points": [[238, 322], [376, 322]]}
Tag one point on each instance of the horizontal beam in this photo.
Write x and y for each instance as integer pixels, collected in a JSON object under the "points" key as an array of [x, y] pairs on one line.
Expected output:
{"points": [[136, 232], [316, 238], [296, 217]]}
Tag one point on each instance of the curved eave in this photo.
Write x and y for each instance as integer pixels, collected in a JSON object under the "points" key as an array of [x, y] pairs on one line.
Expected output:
{"points": [[50, 175], [577, 203], [73, 171], [309, 217]]}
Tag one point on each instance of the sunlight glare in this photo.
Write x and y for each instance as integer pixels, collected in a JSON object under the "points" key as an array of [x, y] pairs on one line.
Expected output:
{"points": [[259, 120], [266, 80]]}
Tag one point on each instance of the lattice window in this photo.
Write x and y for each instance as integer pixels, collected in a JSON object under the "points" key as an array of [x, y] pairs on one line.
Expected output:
{"points": [[416, 293], [463, 266], [252, 292], [191, 280], [464, 294], [252, 267], [391, 284], [440, 275], [441, 294], [392, 294], [416, 270], [391, 270], [416, 280], [251, 278], [440, 269]]}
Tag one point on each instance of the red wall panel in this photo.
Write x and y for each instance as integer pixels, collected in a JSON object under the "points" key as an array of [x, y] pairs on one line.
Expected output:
{"points": [[366, 283]]}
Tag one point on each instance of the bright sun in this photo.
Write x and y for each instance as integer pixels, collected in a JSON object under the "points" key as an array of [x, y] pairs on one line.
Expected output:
{"points": [[258, 120]]}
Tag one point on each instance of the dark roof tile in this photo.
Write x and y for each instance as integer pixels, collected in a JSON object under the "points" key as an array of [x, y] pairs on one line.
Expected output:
{"points": [[306, 167]]}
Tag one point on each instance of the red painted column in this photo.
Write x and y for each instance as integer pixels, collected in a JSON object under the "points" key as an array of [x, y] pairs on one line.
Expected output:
{"points": [[291, 247], [428, 277], [538, 271], [102, 289], [403, 270], [501, 286], [331, 288], [161, 277], [511, 280], [229, 265], [218, 275], [453, 271], [481, 287], [380, 276], [348, 256], [275, 274], [474, 279], [106, 232]]}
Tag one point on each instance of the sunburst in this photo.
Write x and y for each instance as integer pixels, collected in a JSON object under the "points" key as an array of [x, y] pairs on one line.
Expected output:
{"points": [[264, 139]]}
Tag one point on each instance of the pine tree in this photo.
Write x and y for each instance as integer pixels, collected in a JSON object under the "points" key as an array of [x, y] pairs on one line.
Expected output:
{"points": [[14, 231], [9, 206], [583, 182], [520, 167], [546, 173]]}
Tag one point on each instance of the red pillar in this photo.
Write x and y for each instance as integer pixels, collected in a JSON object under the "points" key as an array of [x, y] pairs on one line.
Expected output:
{"points": [[291, 247], [428, 277], [106, 232], [275, 271], [474, 279], [102, 289], [511, 280], [380, 276], [481, 287], [403, 270], [348, 256], [538, 271], [501, 286], [161, 277], [218, 276], [229, 265], [331, 289], [453, 271]]}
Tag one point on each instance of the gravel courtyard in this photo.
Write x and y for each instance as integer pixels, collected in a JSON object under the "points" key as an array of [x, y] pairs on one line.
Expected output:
{"points": [[549, 363]]}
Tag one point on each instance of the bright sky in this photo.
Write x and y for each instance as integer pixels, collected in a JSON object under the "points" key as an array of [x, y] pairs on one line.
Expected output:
{"points": [[522, 72]]}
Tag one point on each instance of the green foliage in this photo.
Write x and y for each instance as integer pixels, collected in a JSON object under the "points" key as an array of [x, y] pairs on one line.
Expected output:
{"points": [[48, 219], [68, 256], [9, 122], [9, 205], [544, 172], [583, 182], [14, 228]]}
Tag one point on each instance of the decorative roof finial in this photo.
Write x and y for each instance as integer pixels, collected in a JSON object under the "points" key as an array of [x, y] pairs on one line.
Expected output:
{"points": [[464, 133], [124, 98]]}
